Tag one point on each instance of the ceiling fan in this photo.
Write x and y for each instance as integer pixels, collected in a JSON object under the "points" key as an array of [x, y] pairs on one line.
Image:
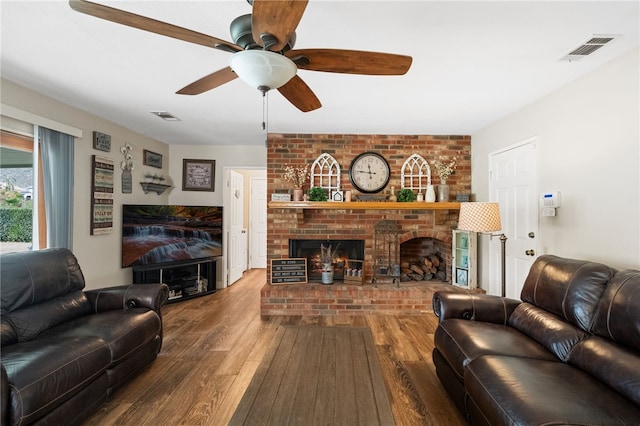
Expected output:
{"points": [[263, 53]]}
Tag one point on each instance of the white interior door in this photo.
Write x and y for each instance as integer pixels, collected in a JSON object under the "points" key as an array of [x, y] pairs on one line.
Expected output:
{"points": [[237, 246], [258, 221], [513, 184]]}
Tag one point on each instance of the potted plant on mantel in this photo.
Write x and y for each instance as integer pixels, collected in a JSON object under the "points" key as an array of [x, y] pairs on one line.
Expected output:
{"points": [[326, 258], [297, 176]]}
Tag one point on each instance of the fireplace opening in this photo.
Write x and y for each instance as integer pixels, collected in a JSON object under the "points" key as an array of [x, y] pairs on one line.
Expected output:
{"points": [[310, 250], [425, 259]]}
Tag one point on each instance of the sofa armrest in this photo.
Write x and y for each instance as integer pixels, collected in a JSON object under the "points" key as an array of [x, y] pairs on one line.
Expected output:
{"points": [[151, 296], [473, 307]]}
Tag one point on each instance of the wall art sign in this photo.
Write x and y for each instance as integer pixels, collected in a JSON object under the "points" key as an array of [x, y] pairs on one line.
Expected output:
{"points": [[288, 271], [151, 159], [198, 175], [101, 195], [101, 141]]}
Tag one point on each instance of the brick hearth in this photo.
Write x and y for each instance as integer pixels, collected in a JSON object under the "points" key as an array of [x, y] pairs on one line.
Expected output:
{"points": [[317, 299]]}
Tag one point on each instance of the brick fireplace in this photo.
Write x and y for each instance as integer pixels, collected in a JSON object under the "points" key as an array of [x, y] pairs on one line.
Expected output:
{"points": [[420, 228]]}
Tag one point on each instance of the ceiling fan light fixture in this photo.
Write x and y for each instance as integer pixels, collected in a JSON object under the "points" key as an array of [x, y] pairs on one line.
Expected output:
{"points": [[262, 68]]}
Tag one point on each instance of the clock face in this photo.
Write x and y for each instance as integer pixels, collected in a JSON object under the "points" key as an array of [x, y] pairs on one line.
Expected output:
{"points": [[369, 172]]}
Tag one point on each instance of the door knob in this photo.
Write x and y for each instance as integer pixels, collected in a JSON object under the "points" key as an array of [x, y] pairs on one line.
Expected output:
{"points": [[532, 235], [530, 253]]}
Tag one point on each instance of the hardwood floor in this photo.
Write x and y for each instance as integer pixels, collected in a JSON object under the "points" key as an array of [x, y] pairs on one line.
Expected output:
{"points": [[213, 345]]}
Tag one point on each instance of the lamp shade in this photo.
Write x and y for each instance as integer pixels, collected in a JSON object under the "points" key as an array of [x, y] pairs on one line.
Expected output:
{"points": [[262, 69], [479, 217]]}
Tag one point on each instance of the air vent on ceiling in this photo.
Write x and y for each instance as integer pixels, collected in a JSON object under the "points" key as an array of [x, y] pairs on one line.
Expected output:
{"points": [[588, 47], [165, 115]]}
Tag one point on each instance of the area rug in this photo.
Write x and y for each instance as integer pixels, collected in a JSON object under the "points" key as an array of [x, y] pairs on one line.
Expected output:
{"points": [[314, 375]]}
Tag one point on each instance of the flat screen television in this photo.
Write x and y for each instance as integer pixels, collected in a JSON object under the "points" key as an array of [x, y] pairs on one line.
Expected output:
{"points": [[157, 234]]}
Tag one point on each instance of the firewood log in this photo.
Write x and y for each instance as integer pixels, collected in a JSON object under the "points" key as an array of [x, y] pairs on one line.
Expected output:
{"points": [[416, 277], [417, 269], [440, 275]]}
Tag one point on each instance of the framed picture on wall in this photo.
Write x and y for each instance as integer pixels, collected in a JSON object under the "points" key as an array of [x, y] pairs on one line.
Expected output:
{"points": [[151, 159], [198, 175]]}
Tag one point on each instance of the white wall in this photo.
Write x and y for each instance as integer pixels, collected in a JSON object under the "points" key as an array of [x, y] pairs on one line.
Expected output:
{"points": [[240, 156], [100, 255], [588, 134]]}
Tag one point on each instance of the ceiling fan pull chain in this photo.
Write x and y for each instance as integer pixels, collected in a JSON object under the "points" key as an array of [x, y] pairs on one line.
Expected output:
{"points": [[265, 111]]}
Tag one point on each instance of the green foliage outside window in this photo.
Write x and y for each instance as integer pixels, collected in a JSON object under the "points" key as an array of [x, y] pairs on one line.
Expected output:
{"points": [[16, 224]]}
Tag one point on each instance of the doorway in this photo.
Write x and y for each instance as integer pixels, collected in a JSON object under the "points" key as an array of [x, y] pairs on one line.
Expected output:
{"points": [[245, 210], [513, 177]]}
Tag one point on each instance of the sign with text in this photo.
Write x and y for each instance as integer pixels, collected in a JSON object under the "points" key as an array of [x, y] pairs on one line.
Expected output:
{"points": [[288, 271]]}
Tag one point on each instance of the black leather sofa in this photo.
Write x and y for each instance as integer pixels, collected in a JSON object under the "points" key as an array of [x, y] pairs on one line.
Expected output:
{"points": [[64, 350], [567, 353]]}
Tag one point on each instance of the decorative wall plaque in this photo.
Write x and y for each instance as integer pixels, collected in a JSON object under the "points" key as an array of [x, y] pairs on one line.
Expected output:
{"points": [[101, 141]]}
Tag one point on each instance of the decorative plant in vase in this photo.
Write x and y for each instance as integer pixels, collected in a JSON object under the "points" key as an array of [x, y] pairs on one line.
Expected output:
{"points": [[297, 176], [326, 258], [444, 170], [406, 195], [317, 194]]}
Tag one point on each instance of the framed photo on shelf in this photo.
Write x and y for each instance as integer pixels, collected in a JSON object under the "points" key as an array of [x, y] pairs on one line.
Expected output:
{"points": [[465, 261], [198, 175], [462, 276], [151, 159], [464, 241]]}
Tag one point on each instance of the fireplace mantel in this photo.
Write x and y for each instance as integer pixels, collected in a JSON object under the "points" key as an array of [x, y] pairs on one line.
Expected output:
{"points": [[362, 205], [301, 206]]}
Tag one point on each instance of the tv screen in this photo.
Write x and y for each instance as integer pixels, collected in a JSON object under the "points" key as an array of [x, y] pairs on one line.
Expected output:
{"points": [[156, 234]]}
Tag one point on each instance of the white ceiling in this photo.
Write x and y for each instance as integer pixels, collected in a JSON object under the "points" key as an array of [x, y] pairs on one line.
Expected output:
{"points": [[474, 62]]}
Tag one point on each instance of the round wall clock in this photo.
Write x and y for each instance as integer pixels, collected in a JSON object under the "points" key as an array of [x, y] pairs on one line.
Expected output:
{"points": [[369, 172]]}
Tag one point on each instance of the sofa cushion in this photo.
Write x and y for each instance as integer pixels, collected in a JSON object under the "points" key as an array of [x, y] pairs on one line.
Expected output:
{"points": [[124, 331], [40, 289], [44, 373], [618, 314], [613, 364], [29, 278], [32, 320], [460, 341], [549, 330], [511, 390], [569, 288]]}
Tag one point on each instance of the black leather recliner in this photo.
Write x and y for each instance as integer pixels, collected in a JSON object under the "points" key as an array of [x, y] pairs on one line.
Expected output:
{"points": [[567, 353], [64, 350]]}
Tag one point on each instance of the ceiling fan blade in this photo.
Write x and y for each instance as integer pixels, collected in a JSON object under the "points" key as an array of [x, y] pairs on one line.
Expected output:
{"points": [[278, 18], [300, 95], [350, 61], [209, 82], [147, 24]]}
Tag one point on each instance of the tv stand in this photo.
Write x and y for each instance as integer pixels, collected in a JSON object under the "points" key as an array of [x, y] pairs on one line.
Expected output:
{"points": [[186, 279]]}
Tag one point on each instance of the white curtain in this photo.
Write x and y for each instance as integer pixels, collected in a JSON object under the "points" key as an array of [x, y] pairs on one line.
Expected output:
{"points": [[57, 168]]}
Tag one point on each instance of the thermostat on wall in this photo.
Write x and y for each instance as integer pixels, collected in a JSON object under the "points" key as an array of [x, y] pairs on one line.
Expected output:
{"points": [[550, 199]]}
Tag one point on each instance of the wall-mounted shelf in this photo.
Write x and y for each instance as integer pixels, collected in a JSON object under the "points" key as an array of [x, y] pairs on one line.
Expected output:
{"points": [[299, 207], [153, 187]]}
